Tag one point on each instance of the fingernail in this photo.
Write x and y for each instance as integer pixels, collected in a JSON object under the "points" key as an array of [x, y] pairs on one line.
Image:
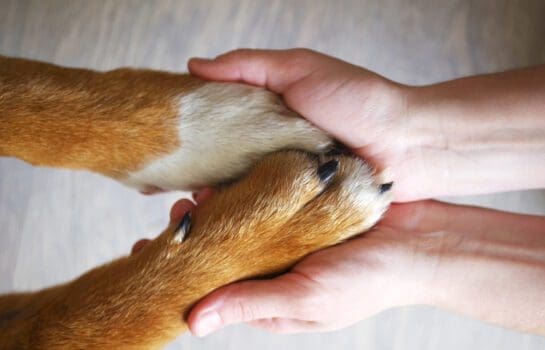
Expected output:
{"points": [[209, 322]]}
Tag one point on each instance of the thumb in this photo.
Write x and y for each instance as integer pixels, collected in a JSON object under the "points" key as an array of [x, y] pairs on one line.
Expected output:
{"points": [[243, 302]]}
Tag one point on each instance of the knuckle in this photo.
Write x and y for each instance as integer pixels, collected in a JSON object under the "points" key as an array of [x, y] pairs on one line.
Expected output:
{"points": [[310, 307], [241, 311], [303, 52], [310, 300], [239, 53]]}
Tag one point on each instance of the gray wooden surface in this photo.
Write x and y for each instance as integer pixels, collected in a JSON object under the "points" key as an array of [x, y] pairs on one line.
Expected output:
{"points": [[56, 224]]}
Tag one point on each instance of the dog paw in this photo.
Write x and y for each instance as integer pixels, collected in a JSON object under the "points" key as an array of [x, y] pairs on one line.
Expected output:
{"points": [[289, 204]]}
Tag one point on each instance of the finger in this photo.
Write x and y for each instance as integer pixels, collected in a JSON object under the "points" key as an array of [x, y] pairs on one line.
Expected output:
{"points": [[286, 325], [179, 209], [273, 69], [243, 302], [139, 245], [203, 195]]}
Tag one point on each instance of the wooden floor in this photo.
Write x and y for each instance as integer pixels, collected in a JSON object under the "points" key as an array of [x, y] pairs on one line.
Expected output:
{"points": [[57, 224]]}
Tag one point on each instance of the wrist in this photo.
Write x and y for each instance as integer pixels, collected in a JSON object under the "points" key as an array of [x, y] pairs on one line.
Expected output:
{"points": [[412, 283], [475, 135], [413, 139], [495, 282], [427, 144], [468, 260]]}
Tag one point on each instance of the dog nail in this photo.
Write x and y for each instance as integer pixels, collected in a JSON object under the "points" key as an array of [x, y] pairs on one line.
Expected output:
{"points": [[386, 187], [183, 228], [327, 171]]}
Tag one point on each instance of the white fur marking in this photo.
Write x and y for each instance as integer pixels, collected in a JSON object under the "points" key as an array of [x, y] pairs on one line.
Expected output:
{"points": [[224, 129]]}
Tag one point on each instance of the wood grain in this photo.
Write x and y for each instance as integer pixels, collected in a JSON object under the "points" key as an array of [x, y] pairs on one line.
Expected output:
{"points": [[56, 224]]}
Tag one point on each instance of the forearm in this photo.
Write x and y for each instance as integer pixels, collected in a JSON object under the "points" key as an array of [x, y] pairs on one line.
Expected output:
{"points": [[485, 264], [496, 290], [479, 134]]}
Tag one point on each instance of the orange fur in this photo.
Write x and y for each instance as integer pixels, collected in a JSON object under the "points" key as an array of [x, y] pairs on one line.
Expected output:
{"points": [[262, 224], [107, 122]]}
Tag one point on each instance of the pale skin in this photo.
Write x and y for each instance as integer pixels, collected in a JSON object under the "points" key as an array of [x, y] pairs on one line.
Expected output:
{"points": [[473, 135]]}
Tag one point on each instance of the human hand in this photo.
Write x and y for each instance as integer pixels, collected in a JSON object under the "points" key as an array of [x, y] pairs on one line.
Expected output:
{"points": [[467, 136], [460, 258], [361, 109], [328, 290], [463, 259]]}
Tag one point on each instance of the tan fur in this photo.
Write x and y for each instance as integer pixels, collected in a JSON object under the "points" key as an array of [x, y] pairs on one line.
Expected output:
{"points": [[106, 122], [262, 224]]}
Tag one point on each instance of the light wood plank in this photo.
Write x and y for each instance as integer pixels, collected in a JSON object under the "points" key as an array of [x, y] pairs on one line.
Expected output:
{"points": [[57, 224]]}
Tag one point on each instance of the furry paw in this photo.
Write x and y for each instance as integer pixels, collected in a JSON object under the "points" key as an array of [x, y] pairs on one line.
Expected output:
{"points": [[290, 204]]}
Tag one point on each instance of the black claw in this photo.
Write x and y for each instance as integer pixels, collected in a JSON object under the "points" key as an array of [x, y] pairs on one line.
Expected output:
{"points": [[183, 228], [327, 171], [386, 187]]}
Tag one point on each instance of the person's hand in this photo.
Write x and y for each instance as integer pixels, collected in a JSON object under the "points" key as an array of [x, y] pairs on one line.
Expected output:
{"points": [[465, 259], [322, 292], [460, 258], [361, 109], [328, 290], [467, 136]]}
